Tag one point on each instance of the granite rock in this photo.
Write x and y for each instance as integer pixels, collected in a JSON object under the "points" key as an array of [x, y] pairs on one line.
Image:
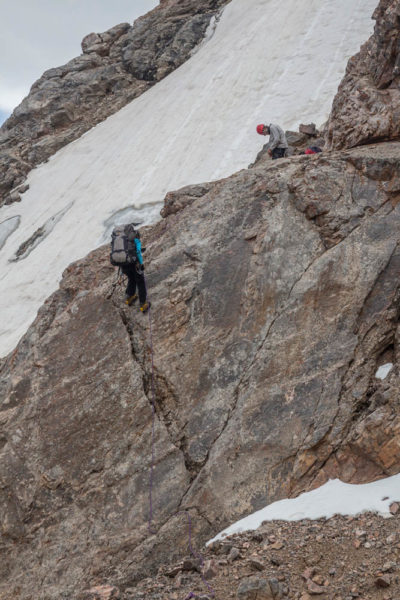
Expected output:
{"points": [[367, 106], [275, 296]]}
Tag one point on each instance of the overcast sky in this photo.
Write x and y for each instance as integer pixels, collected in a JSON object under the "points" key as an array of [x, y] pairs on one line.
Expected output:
{"points": [[36, 35]]}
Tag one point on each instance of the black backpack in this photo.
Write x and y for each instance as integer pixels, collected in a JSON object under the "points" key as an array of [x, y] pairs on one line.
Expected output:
{"points": [[123, 247]]}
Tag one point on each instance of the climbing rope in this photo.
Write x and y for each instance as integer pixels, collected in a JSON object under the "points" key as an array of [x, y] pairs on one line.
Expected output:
{"points": [[117, 281], [199, 558], [195, 554], [153, 410]]}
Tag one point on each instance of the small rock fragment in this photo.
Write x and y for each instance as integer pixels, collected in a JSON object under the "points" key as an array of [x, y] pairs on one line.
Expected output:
{"points": [[277, 546], [314, 588], [308, 573], [389, 567], [102, 592], [309, 129], [21, 189], [210, 569], [190, 565], [254, 587], [256, 564], [233, 554], [360, 533], [275, 587], [383, 581], [174, 571]]}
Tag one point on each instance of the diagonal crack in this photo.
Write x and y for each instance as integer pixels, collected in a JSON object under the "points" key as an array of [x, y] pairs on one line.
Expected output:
{"points": [[164, 414], [236, 392]]}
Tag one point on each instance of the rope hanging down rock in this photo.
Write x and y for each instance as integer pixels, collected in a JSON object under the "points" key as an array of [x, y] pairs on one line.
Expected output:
{"points": [[195, 554]]}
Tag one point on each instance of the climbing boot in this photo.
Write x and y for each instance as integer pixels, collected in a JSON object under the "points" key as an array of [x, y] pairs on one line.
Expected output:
{"points": [[131, 299], [145, 306]]}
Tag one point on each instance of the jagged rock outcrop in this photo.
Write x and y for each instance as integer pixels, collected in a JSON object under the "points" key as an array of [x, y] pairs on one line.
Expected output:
{"points": [[367, 105], [115, 67], [275, 298]]}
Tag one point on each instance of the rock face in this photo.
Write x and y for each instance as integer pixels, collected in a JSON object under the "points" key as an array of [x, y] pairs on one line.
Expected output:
{"points": [[115, 67], [367, 105], [275, 299]]}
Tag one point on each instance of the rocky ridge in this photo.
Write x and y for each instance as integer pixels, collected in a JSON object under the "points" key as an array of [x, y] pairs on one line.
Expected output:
{"points": [[115, 67], [276, 297], [366, 107]]}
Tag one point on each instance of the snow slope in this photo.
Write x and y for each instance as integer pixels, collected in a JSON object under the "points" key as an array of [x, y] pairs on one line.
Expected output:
{"points": [[268, 60], [334, 497]]}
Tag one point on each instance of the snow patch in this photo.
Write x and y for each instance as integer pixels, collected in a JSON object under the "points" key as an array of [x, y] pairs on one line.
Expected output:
{"points": [[334, 497], [384, 371], [267, 60], [8, 227], [39, 235], [144, 215]]}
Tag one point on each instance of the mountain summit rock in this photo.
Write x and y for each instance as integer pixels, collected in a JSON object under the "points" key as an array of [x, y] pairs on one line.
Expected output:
{"points": [[116, 66], [366, 107]]}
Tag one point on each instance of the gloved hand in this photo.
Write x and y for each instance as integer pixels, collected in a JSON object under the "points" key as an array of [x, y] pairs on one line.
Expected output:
{"points": [[142, 267]]}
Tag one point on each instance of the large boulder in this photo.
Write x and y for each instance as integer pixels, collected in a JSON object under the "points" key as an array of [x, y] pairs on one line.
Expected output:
{"points": [[367, 105]]}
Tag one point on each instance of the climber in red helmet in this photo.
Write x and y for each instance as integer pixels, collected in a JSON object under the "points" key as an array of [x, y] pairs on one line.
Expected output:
{"points": [[277, 145]]}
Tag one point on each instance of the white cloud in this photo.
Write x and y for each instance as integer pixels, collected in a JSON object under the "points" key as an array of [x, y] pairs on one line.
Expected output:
{"points": [[3, 116], [35, 36], [11, 96]]}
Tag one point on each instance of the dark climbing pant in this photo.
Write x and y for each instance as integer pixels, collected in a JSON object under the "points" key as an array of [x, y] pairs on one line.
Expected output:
{"points": [[278, 153], [135, 278]]}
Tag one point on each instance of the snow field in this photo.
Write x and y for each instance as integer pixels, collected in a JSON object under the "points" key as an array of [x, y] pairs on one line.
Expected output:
{"points": [[268, 60], [334, 497]]}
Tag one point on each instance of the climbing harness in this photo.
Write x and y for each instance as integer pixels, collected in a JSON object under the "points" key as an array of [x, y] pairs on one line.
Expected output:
{"points": [[195, 554]]}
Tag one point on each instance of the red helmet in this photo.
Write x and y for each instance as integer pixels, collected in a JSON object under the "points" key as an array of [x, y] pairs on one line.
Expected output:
{"points": [[310, 151], [260, 128]]}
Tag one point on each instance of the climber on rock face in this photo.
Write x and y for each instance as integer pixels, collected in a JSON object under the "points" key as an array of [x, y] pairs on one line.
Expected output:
{"points": [[126, 253], [277, 144]]}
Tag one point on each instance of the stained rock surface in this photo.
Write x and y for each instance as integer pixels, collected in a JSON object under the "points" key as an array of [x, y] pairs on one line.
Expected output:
{"points": [[115, 67], [367, 105], [275, 299]]}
